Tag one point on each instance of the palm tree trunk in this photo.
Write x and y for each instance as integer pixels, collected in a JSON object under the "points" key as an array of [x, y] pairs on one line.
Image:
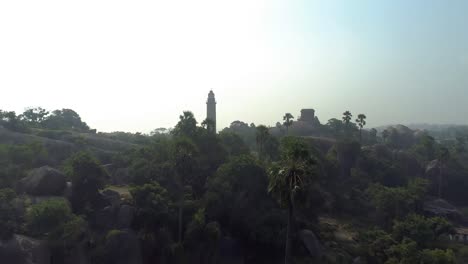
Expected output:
{"points": [[180, 221], [287, 254], [360, 135], [440, 182]]}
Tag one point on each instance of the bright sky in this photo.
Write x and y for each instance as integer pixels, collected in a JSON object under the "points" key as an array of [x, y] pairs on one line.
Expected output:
{"points": [[136, 65]]}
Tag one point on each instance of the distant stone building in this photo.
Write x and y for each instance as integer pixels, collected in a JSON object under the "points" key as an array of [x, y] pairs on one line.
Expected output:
{"points": [[211, 110], [307, 115]]}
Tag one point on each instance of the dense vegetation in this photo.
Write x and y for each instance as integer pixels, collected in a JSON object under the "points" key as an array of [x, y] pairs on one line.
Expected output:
{"points": [[333, 193]]}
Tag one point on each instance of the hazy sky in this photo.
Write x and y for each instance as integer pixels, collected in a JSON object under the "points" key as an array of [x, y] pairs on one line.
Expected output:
{"points": [[136, 65]]}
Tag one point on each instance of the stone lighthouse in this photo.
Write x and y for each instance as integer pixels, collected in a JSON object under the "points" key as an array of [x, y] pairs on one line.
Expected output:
{"points": [[211, 111]]}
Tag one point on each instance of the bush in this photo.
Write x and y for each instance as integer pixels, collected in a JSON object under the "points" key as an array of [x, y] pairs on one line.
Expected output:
{"points": [[47, 217], [88, 178], [8, 218]]}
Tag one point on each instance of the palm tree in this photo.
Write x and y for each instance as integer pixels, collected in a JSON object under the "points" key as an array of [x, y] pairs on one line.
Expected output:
{"points": [[208, 124], [288, 120], [184, 163], [443, 157], [286, 179], [187, 125], [385, 135], [347, 116], [261, 138], [361, 121]]}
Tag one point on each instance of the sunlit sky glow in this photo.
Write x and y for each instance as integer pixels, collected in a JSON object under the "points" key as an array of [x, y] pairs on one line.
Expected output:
{"points": [[136, 65]]}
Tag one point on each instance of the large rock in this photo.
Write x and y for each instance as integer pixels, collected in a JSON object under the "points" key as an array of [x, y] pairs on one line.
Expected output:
{"points": [[433, 169], [112, 197], [230, 251], [44, 181], [24, 250], [408, 163], [125, 216], [347, 155], [115, 217], [311, 242], [123, 247], [104, 218], [440, 207]]}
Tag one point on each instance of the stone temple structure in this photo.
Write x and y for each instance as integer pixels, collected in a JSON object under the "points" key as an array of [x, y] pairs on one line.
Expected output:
{"points": [[307, 115], [211, 110]]}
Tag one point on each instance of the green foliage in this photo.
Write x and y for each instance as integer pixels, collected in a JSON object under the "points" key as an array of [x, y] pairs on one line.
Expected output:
{"points": [[347, 116], [113, 233], [426, 148], [407, 243], [87, 178], [437, 256], [375, 243], [292, 172], [233, 143], [152, 163], [9, 220], [202, 239], [48, 217], [184, 156], [244, 131], [361, 120], [187, 125], [288, 120], [405, 252], [421, 229], [15, 160], [11, 121], [65, 119], [395, 203], [262, 136], [267, 145], [237, 198], [153, 205], [34, 116]]}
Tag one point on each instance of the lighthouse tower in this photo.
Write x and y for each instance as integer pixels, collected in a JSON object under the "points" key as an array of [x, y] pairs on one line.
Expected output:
{"points": [[211, 111]]}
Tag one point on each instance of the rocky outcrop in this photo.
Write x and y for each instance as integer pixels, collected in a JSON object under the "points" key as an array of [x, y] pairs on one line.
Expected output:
{"points": [[115, 216], [123, 247], [125, 216], [347, 155], [408, 163], [112, 197], [312, 243], [440, 207], [44, 181], [433, 169], [24, 250]]}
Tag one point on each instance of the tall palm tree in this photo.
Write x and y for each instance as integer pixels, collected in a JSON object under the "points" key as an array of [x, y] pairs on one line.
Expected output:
{"points": [[261, 137], [184, 163], [288, 121], [187, 125], [287, 177], [385, 135], [347, 116], [361, 121]]}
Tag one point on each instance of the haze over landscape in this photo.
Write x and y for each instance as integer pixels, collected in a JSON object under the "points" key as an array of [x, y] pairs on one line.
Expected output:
{"points": [[136, 66], [234, 132]]}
